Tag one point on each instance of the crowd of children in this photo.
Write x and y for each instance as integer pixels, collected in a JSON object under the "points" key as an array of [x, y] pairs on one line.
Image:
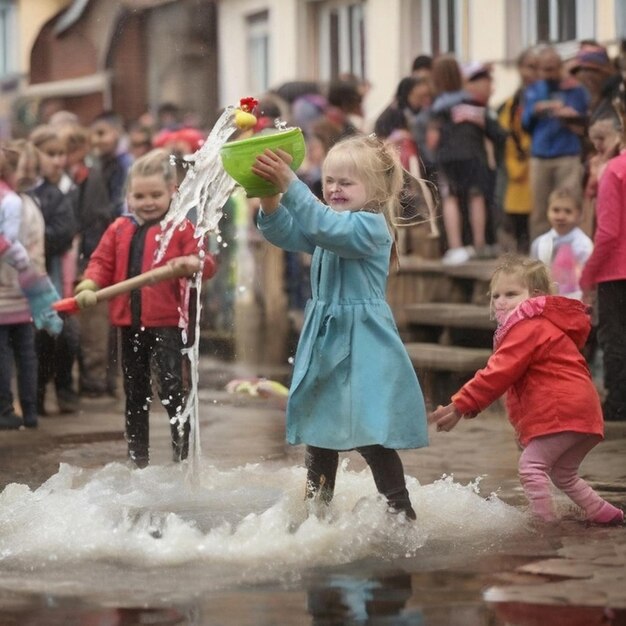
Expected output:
{"points": [[78, 212]]}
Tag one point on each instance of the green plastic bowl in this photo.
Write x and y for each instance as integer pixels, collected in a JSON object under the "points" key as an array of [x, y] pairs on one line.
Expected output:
{"points": [[238, 157]]}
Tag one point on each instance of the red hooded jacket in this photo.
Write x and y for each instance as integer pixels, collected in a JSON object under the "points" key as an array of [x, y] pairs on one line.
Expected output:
{"points": [[537, 362], [162, 302]]}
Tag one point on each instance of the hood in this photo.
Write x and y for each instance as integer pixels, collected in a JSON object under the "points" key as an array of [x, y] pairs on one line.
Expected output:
{"points": [[568, 315]]}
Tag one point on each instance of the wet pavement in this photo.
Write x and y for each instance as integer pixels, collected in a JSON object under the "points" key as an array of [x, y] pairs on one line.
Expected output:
{"points": [[566, 574]]}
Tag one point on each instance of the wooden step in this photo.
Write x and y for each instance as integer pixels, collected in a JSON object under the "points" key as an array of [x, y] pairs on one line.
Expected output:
{"points": [[477, 269], [454, 315], [433, 356]]}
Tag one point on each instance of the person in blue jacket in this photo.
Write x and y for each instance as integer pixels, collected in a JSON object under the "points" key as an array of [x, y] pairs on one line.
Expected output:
{"points": [[554, 113], [353, 384]]}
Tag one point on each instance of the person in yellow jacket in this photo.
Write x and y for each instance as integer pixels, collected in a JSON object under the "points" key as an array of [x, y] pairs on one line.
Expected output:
{"points": [[517, 202]]}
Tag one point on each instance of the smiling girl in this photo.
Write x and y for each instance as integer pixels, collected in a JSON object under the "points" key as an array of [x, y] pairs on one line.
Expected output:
{"points": [[149, 318]]}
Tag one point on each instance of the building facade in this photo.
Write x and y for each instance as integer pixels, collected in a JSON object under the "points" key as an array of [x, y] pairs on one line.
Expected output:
{"points": [[132, 55]]}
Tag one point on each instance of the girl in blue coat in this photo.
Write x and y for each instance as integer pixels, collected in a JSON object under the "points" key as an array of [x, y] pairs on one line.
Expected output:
{"points": [[353, 384]]}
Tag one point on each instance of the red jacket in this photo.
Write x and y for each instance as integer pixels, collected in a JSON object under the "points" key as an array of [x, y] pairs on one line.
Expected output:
{"points": [[161, 302], [537, 362]]}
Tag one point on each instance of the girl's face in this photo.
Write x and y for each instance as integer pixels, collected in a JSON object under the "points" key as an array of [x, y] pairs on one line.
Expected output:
{"points": [[149, 197], [507, 292], [604, 137], [342, 190], [53, 157]]}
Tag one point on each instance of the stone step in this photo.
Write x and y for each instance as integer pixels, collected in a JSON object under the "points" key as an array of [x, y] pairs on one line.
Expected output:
{"points": [[433, 356], [453, 315]]}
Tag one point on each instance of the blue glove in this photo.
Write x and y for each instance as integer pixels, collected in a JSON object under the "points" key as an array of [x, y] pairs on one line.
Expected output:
{"points": [[41, 293]]}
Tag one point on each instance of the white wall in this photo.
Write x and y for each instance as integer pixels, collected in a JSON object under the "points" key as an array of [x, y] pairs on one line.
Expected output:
{"points": [[384, 64], [233, 75]]}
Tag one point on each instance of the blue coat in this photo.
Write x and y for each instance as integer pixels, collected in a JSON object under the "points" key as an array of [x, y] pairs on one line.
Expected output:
{"points": [[353, 382], [551, 138]]}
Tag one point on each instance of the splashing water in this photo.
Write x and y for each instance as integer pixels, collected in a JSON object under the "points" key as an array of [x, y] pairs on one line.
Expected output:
{"points": [[244, 525], [205, 190]]}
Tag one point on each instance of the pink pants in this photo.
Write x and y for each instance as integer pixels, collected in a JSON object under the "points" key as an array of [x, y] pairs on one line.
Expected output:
{"points": [[557, 458]]}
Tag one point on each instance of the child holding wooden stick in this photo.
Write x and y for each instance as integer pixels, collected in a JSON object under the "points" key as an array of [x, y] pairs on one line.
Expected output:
{"points": [[150, 319]]}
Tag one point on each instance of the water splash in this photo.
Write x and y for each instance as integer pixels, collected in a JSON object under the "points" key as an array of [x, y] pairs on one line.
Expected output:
{"points": [[204, 191], [244, 524]]}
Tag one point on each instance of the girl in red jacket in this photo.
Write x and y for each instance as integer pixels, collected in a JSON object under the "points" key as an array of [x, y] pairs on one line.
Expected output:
{"points": [[550, 397], [151, 318]]}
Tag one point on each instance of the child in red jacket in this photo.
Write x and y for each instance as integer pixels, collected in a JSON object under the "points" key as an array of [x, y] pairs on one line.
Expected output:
{"points": [[550, 397], [151, 318]]}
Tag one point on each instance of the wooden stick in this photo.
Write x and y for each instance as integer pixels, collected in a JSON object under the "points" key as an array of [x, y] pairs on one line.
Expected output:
{"points": [[156, 275]]}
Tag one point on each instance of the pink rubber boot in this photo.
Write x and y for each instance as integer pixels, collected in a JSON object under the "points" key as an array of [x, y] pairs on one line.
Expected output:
{"points": [[608, 515]]}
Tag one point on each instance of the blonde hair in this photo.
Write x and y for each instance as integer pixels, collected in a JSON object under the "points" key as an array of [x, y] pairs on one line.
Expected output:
{"points": [[377, 166], [533, 274], [565, 193], [43, 134], [154, 163], [74, 136], [19, 158]]}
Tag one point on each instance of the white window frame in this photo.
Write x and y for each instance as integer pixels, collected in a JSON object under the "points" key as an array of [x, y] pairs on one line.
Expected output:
{"points": [[8, 38], [258, 42], [446, 45], [351, 38], [585, 21]]}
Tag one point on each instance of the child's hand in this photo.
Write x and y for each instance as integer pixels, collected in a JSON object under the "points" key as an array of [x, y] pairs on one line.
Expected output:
{"points": [[446, 417], [190, 264], [273, 166]]}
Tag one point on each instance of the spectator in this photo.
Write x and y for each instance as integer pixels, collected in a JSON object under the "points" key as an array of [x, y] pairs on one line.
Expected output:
{"points": [[345, 107], [605, 136], [606, 271], [554, 111], [22, 283], [517, 202], [101, 200], [422, 66], [139, 139], [462, 123], [564, 248], [594, 70], [57, 355]]}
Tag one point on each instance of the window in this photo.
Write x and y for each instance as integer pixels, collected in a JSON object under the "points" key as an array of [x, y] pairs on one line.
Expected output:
{"points": [[8, 40], [258, 51], [556, 21], [440, 26], [620, 17], [342, 40]]}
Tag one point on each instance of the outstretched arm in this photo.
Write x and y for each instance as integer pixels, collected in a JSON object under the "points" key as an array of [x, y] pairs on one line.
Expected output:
{"points": [[446, 417]]}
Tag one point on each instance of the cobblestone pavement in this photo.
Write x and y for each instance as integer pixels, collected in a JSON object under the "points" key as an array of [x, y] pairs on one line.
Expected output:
{"points": [[568, 574]]}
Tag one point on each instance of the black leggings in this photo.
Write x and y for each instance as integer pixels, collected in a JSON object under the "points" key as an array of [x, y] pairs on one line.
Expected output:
{"points": [[146, 351], [386, 466]]}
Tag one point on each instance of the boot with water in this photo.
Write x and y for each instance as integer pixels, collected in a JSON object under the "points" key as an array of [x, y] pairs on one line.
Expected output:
{"points": [[180, 439]]}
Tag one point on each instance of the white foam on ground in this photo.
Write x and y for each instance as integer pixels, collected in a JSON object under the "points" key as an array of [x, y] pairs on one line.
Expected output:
{"points": [[253, 517]]}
